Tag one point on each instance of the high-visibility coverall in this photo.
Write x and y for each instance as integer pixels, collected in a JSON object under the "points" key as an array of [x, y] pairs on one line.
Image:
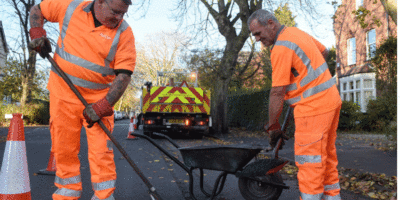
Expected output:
{"points": [[297, 63], [89, 56]]}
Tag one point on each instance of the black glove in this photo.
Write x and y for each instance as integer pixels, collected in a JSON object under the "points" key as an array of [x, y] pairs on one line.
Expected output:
{"points": [[275, 135], [39, 42], [94, 112]]}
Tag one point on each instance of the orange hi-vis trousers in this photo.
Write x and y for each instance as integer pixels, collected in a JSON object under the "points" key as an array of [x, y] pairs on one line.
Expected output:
{"points": [[315, 156], [66, 121]]}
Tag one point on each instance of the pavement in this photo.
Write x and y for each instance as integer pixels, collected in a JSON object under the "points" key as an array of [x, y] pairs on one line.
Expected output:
{"points": [[354, 152]]}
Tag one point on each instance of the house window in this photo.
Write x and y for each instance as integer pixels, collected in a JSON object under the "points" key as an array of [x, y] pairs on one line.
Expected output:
{"points": [[351, 51], [359, 3], [358, 88], [371, 44], [368, 84]]}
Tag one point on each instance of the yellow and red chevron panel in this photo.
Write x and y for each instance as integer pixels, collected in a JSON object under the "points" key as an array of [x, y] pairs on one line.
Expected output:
{"points": [[176, 100]]}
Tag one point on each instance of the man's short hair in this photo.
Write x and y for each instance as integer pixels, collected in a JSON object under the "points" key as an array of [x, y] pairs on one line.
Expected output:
{"points": [[262, 16], [128, 2]]}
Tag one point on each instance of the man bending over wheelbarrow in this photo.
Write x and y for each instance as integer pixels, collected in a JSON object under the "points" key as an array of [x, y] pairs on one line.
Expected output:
{"points": [[300, 76], [96, 50]]}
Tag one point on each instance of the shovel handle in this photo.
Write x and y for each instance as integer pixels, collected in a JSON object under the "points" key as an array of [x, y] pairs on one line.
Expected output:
{"points": [[283, 129], [153, 192]]}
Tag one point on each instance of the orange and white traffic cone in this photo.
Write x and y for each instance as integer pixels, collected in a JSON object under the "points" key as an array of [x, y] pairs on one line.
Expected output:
{"points": [[51, 166], [131, 128], [14, 176], [134, 123]]}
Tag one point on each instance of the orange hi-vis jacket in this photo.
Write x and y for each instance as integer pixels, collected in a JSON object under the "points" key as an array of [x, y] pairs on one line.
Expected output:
{"points": [[298, 63], [87, 54]]}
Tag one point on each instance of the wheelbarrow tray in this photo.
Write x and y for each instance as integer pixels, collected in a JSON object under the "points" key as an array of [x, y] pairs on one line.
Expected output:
{"points": [[228, 158]]}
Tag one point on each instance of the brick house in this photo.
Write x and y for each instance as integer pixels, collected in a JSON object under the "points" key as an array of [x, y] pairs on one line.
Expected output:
{"points": [[355, 46], [3, 49]]}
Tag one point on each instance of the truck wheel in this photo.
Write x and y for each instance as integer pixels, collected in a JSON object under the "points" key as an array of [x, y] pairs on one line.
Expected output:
{"points": [[148, 133], [255, 190]]}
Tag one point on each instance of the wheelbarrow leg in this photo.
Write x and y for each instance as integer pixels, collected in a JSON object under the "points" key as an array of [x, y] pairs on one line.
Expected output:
{"points": [[219, 185], [215, 185], [191, 183]]}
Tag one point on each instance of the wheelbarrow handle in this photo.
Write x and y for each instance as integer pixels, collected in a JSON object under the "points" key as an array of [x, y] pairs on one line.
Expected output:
{"points": [[152, 191]]}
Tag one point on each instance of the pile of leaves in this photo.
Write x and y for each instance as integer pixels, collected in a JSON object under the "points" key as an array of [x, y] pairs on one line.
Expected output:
{"points": [[373, 185]]}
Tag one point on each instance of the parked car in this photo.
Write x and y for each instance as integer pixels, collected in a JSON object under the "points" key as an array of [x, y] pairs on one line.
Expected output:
{"points": [[117, 115], [124, 115]]}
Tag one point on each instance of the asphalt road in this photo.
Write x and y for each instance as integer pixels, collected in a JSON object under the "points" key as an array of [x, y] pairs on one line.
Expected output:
{"points": [[167, 177]]}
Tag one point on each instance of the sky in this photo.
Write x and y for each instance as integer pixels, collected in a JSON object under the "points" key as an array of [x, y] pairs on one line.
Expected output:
{"points": [[158, 19], [159, 12]]}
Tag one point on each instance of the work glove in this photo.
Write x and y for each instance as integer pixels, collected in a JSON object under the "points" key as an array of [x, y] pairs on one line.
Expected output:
{"points": [[95, 111], [275, 135], [39, 41]]}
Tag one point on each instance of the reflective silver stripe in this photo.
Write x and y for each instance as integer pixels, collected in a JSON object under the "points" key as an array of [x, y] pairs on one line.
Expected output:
{"points": [[293, 100], [327, 197], [332, 187], [313, 74], [301, 159], [104, 185], [104, 71], [68, 192], [67, 181], [110, 57], [108, 198], [291, 87], [84, 83], [305, 196], [109, 145], [319, 88], [67, 17]]}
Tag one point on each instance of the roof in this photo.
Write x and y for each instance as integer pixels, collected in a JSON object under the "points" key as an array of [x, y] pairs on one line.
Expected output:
{"points": [[3, 37], [367, 68]]}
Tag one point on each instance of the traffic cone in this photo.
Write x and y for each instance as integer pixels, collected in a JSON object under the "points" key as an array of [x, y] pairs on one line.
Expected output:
{"points": [[131, 129], [14, 176], [134, 123], [51, 166]]}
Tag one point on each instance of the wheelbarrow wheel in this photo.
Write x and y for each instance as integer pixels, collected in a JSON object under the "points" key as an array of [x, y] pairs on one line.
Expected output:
{"points": [[256, 190]]}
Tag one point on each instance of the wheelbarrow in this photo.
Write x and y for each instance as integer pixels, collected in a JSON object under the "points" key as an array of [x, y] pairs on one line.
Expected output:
{"points": [[258, 178]]}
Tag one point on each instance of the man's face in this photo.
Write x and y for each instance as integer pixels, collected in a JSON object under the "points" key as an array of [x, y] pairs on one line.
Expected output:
{"points": [[111, 12], [264, 34]]}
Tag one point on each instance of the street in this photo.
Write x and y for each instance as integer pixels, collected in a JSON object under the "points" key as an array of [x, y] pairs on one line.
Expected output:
{"points": [[170, 180]]}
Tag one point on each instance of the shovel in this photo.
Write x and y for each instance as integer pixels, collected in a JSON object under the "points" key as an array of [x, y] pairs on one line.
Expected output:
{"points": [[152, 191]]}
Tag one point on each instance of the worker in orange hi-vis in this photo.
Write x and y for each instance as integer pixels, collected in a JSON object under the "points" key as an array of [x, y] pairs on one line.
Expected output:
{"points": [[300, 76], [96, 50]]}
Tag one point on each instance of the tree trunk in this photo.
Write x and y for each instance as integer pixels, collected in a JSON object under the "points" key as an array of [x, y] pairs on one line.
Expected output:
{"points": [[27, 79], [219, 107]]}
